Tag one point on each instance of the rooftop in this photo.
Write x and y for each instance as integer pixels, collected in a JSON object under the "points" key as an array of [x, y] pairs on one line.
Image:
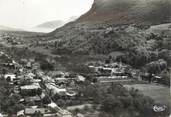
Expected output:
{"points": [[32, 86]]}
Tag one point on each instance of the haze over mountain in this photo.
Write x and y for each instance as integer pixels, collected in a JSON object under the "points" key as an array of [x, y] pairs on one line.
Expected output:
{"points": [[26, 14], [51, 24], [55, 23], [6, 28]]}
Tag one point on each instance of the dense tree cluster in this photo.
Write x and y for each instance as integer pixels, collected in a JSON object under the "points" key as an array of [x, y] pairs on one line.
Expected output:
{"points": [[9, 102], [117, 101], [156, 66], [45, 65]]}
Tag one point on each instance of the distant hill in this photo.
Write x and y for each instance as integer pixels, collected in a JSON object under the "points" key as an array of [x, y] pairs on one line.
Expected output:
{"points": [[72, 18], [48, 26], [56, 23], [6, 28], [51, 24]]}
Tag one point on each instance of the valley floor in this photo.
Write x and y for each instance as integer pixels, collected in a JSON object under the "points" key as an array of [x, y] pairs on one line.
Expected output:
{"points": [[159, 93]]}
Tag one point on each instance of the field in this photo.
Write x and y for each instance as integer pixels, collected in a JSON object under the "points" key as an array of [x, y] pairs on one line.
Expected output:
{"points": [[159, 93]]}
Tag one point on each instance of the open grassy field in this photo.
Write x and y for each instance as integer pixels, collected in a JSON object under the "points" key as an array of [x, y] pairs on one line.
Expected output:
{"points": [[161, 94]]}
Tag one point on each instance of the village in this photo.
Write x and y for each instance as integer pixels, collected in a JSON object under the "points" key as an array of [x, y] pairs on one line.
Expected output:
{"points": [[33, 85], [37, 89], [53, 93], [91, 58]]}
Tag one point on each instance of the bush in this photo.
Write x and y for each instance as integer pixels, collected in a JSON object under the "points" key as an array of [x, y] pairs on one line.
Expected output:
{"points": [[61, 102], [45, 65], [46, 100], [165, 77]]}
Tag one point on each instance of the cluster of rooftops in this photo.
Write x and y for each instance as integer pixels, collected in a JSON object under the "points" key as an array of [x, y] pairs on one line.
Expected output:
{"points": [[33, 85]]}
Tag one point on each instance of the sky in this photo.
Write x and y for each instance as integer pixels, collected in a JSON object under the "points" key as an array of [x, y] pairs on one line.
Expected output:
{"points": [[29, 13]]}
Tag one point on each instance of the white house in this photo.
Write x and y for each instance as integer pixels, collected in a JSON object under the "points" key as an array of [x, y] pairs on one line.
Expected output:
{"points": [[10, 76]]}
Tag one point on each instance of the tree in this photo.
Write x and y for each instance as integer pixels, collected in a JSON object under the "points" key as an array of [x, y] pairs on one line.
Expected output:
{"points": [[38, 114], [129, 103], [61, 102], [45, 65], [156, 66], [46, 100], [8, 79], [39, 91], [111, 104], [11, 104]]}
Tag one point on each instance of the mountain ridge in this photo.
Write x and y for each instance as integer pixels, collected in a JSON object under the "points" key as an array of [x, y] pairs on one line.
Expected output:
{"points": [[107, 25], [129, 11]]}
